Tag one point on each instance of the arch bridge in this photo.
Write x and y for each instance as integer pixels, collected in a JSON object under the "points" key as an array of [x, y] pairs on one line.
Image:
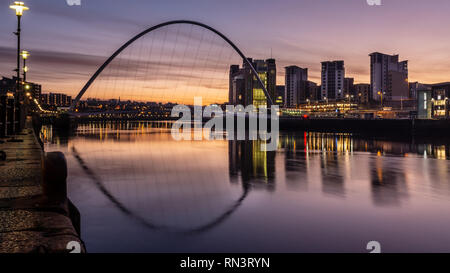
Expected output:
{"points": [[149, 30]]}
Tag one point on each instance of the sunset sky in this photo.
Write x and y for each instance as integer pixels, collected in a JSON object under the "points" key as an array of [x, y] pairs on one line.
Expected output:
{"points": [[68, 43]]}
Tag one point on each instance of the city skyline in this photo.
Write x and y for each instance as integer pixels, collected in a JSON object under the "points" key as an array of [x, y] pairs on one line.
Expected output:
{"points": [[64, 61]]}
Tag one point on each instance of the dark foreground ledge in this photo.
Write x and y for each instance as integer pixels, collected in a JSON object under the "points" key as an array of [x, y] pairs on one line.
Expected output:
{"points": [[35, 214], [410, 127]]}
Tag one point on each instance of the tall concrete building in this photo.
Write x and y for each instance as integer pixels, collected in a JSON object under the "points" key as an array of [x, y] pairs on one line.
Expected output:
{"points": [[237, 88], [313, 91], [245, 89], [45, 99], [280, 95], [29, 87], [349, 87], [333, 74], [388, 77], [55, 99], [8, 85], [296, 85], [362, 93]]}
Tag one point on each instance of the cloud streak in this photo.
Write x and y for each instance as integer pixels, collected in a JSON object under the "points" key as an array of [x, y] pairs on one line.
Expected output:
{"points": [[69, 43]]}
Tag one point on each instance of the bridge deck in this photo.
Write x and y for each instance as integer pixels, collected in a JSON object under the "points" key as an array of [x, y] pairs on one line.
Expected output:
{"points": [[27, 222]]}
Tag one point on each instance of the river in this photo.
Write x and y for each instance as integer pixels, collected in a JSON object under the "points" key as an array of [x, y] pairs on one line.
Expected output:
{"points": [[138, 190]]}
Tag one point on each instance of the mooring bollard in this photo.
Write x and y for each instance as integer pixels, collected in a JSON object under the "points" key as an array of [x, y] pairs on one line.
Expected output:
{"points": [[54, 180]]}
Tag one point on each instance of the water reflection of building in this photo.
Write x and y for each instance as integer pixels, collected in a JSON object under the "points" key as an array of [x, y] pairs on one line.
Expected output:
{"points": [[332, 178], [253, 165], [329, 142], [295, 161], [313, 142], [295, 155], [301, 149], [388, 182], [344, 143], [46, 134], [107, 130], [439, 172]]}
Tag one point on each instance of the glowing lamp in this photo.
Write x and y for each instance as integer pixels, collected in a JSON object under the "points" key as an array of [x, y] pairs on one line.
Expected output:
{"points": [[19, 7], [25, 54]]}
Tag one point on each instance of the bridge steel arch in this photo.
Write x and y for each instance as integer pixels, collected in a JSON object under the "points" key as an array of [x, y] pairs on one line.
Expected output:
{"points": [[132, 40]]}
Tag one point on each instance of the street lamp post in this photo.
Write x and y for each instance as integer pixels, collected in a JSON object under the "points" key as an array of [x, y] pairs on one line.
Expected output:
{"points": [[25, 54], [19, 7], [381, 95]]}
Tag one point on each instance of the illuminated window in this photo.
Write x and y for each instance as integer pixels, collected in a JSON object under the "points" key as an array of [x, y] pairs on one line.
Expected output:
{"points": [[424, 101], [259, 98]]}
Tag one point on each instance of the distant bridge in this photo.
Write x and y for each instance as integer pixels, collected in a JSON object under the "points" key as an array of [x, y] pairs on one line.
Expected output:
{"points": [[147, 31]]}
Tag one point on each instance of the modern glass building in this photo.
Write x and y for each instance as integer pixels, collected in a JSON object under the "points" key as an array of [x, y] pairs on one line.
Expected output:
{"points": [[245, 88], [440, 100]]}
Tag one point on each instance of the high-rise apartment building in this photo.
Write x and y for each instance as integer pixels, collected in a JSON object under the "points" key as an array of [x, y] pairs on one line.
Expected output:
{"points": [[55, 99], [333, 74], [313, 91], [388, 77], [296, 85], [362, 93], [348, 87], [237, 87]]}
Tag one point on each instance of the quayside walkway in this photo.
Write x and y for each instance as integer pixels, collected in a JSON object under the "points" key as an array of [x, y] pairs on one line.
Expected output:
{"points": [[35, 214]]}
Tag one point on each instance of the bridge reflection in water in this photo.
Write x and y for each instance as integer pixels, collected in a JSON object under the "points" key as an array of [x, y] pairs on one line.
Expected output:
{"points": [[139, 190]]}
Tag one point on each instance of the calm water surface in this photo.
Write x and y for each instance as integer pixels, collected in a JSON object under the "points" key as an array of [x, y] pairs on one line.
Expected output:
{"points": [[140, 191]]}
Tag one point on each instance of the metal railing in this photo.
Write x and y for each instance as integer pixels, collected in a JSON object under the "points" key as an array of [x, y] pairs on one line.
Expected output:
{"points": [[12, 115]]}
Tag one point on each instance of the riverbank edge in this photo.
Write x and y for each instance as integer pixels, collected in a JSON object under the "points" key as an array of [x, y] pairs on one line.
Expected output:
{"points": [[43, 220]]}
